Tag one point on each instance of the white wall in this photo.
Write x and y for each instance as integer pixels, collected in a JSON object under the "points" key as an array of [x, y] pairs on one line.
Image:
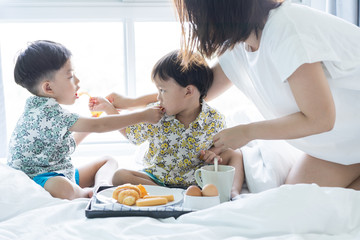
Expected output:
{"points": [[2, 117]]}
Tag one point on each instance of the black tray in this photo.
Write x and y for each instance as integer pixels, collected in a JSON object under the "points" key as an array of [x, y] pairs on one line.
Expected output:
{"points": [[90, 213]]}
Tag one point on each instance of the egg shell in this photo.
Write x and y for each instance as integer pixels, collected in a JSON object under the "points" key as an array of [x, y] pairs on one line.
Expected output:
{"points": [[193, 191], [209, 190]]}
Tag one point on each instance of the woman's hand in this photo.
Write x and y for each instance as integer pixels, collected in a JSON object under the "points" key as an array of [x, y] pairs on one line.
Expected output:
{"points": [[101, 104], [233, 138]]}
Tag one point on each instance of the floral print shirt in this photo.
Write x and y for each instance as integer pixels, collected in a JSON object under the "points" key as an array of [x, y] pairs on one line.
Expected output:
{"points": [[173, 153], [41, 141]]}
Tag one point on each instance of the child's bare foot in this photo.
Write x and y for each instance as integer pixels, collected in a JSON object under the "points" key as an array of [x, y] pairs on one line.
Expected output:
{"points": [[99, 184], [234, 193], [88, 192]]}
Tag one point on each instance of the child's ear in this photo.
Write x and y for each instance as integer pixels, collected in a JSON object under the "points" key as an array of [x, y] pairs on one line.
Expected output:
{"points": [[46, 88], [190, 90]]}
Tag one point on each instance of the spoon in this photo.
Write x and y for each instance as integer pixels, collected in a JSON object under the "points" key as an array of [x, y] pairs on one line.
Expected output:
{"points": [[216, 164]]}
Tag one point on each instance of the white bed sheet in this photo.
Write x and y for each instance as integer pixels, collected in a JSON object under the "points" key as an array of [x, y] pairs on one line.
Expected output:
{"points": [[288, 212]]}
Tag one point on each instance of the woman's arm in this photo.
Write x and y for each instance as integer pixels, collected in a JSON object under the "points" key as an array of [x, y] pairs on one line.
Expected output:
{"points": [[220, 84], [317, 112], [121, 102]]}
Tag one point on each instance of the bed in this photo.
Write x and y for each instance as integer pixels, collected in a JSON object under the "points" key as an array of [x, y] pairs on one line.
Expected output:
{"points": [[286, 212], [265, 210]]}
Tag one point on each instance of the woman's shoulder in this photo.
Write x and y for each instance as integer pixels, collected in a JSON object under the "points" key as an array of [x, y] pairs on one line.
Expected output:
{"points": [[289, 10], [301, 19], [287, 18]]}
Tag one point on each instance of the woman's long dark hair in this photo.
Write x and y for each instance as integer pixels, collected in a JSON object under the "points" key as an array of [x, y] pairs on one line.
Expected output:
{"points": [[214, 26]]}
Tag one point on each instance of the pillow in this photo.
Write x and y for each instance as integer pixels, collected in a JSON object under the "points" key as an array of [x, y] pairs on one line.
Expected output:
{"points": [[19, 193], [267, 163]]}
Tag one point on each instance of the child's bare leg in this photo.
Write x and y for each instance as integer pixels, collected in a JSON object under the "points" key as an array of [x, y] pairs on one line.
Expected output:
{"points": [[99, 172], [61, 187], [234, 158], [123, 176]]}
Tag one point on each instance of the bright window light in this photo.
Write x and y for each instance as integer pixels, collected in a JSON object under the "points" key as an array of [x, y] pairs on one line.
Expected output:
{"points": [[152, 41], [98, 57]]}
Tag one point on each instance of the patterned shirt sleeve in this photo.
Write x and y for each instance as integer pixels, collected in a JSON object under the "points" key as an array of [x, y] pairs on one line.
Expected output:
{"points": [[59, 119]]}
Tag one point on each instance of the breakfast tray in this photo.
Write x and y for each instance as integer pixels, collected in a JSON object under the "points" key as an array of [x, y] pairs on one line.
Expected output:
{"points": [[96, 209]]}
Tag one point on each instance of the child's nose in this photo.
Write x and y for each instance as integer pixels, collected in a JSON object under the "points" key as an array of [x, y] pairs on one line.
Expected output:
{"points": [[76, 80]]}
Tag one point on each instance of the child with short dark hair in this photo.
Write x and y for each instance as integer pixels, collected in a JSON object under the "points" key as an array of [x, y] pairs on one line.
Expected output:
{"points": [[42, 141], [177, 142]]}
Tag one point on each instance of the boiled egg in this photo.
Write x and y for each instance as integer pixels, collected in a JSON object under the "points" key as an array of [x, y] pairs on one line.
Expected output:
{"points": [[193, 191], [209, 190]]}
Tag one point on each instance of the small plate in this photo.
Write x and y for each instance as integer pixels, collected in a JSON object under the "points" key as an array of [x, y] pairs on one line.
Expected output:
{"points": [[105, 196], [199, 203]]}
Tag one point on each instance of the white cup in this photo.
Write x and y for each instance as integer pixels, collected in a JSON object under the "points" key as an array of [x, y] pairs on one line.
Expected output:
{"points": [[223, 179]]}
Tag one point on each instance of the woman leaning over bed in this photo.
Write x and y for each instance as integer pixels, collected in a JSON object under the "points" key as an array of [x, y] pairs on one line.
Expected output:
{"points": [[300, 67]]}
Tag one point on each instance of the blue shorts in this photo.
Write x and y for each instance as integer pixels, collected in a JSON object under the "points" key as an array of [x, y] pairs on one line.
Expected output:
{"points": [[155, 179], [42, 178]]}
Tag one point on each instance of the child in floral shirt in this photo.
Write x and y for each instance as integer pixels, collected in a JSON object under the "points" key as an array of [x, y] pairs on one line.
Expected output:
{"points": [[42, 141], [187, 127]]}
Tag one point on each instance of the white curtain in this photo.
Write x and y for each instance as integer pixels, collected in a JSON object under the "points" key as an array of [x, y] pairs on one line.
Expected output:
{"points": [[346, 9], [2, 116]]}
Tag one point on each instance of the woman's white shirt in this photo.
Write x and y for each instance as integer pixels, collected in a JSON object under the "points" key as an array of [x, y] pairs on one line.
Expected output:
{"points": [[293, 35]]}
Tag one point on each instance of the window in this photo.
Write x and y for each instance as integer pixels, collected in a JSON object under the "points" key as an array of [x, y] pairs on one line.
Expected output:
{"points": [[101, 38], [152, 41], [97, 55], [114, 44]]}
